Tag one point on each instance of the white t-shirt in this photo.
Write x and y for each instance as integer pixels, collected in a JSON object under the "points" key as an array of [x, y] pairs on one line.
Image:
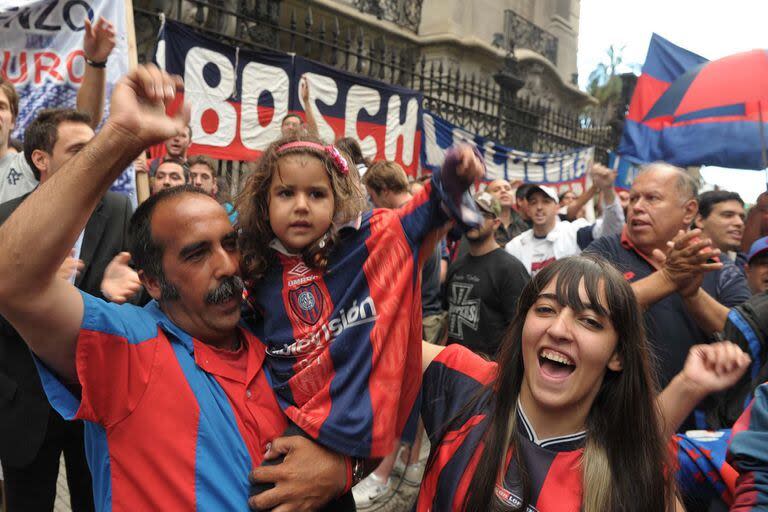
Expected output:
{"points": [[543, 254], [16, 177]]}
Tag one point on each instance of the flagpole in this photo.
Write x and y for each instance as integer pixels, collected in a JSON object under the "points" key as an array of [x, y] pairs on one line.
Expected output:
{"points": [[762, 143], [141, 178]]}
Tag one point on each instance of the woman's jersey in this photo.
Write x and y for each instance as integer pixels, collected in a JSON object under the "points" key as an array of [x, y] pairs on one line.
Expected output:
{"points": [[457, 376], [344, 344], [451, 382]]}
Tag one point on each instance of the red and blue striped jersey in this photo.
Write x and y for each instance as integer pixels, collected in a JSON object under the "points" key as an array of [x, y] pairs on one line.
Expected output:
{"points": [[170, 425], [344, 344], [455, 428], [457, 376], [748, 453], [705, 480]]}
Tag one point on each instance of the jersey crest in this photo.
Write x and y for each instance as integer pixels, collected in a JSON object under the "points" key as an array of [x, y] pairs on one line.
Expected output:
{"points": [[307, 303]]}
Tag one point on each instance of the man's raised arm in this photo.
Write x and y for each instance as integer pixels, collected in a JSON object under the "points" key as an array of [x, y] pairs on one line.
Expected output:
{"points": [[34, 241], [98, 42]]}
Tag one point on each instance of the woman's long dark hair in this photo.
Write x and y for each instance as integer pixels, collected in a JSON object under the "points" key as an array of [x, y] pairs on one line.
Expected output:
{"points": [[625, 456]]}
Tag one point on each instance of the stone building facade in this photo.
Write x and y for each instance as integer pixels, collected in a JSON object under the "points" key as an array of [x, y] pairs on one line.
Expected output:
{"points": [[473, 36]]}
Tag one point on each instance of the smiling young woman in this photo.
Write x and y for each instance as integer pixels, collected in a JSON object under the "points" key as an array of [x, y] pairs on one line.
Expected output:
{"points": [[566, 419]]}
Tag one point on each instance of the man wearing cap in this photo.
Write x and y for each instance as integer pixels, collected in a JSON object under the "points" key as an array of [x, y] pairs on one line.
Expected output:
{"points": [[757, 266], [483, 286], [550, 238]]}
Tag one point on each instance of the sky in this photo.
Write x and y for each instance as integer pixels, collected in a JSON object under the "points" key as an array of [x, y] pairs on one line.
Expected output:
{"points": [[711, 28]]}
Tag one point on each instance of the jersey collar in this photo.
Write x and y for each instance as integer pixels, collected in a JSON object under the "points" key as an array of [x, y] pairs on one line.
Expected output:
{"points": [[628, 244], [178, 335], [559, 443], [278, 246], [354, 224]]}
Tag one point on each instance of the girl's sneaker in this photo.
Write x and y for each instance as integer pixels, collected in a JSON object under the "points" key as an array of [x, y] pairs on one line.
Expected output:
{"points": [[371, 491]]}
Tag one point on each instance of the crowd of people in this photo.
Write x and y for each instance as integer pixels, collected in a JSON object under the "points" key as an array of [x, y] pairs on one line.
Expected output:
{"points": [[290, 349]]}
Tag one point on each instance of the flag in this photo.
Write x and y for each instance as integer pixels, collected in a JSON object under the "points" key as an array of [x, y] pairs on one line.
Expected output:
{"points": [[687, 110]]}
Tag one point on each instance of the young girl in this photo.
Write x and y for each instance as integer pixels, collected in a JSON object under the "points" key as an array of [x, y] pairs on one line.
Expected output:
{"points": [[339, 290], [567, 419]]}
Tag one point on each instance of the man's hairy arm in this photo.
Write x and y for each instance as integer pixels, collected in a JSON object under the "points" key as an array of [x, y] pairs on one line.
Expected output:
{"points": [[45, 310]]}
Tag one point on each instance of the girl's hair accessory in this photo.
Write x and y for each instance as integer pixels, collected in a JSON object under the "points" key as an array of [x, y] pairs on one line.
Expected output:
{"points": [[338, 161]]}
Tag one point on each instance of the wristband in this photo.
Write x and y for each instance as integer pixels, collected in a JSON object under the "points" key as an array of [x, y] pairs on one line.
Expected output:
{"points": [[358, 471], [94, 64]]}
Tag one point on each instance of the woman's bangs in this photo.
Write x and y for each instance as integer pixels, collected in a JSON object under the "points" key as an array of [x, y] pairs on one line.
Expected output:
{"points": [[571, 274]]}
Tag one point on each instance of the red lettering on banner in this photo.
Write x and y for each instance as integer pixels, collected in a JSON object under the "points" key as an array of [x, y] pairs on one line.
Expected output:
{"points": [[40, 67], [265, 115], [21, 66], [75, 79], [209, 121]]}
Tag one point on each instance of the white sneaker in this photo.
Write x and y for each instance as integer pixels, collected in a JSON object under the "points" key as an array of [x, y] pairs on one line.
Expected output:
{"points": [[413, 474], [371, 490], [399, 468]]}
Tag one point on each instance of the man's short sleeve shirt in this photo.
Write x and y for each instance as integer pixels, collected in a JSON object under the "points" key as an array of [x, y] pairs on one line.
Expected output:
{"points": [[16, 177], [169, 424]]}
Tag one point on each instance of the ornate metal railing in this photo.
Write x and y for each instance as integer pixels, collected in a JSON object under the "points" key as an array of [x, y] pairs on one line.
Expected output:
{"points": [[404, 13], [525, 34], [477, 104]]}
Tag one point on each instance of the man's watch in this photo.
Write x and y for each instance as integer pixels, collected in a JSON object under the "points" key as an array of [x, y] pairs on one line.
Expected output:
{"points": [[358, 471]]}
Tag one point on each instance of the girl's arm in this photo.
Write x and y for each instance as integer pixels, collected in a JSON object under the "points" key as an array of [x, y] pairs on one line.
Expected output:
{"points": [[446, 197], [428, 353]]}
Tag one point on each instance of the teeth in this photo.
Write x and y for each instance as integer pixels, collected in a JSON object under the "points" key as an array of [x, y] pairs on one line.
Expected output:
{"points": [[556, 357]]}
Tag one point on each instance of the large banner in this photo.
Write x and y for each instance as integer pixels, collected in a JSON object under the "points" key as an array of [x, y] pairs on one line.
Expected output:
{"points": [[564, 171], [41, 54], [384, 118], [240, 97]]}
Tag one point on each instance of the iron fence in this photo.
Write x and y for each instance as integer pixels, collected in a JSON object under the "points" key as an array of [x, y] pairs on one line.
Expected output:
{"points": [[477, 104]]}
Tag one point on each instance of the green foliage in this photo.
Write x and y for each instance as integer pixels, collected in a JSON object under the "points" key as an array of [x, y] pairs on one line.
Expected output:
{"points": [[604, 83]]}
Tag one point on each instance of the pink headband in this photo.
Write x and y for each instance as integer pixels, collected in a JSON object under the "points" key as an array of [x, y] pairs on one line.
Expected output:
{"points": [[338, 161]]}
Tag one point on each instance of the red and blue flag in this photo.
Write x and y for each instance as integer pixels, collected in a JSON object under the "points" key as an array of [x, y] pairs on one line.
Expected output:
{"points": [[687, 110]]}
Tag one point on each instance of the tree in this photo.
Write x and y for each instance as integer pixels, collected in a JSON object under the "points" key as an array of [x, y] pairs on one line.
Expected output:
{"points": [[605, 85]]}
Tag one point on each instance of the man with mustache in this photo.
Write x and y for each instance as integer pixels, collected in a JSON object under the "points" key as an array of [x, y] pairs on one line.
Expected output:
{"points": [[176, 406]]}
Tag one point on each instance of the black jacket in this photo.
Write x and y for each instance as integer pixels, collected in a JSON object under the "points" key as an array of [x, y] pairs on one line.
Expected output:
{"points": [[24, 408], [747, 326]]}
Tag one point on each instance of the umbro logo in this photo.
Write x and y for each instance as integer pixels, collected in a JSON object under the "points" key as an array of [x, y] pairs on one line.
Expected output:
{"points": [[300, 270]]}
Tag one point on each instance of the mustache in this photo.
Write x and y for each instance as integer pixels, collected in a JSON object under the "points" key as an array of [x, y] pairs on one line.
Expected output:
{"points": [[230, 287]]}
